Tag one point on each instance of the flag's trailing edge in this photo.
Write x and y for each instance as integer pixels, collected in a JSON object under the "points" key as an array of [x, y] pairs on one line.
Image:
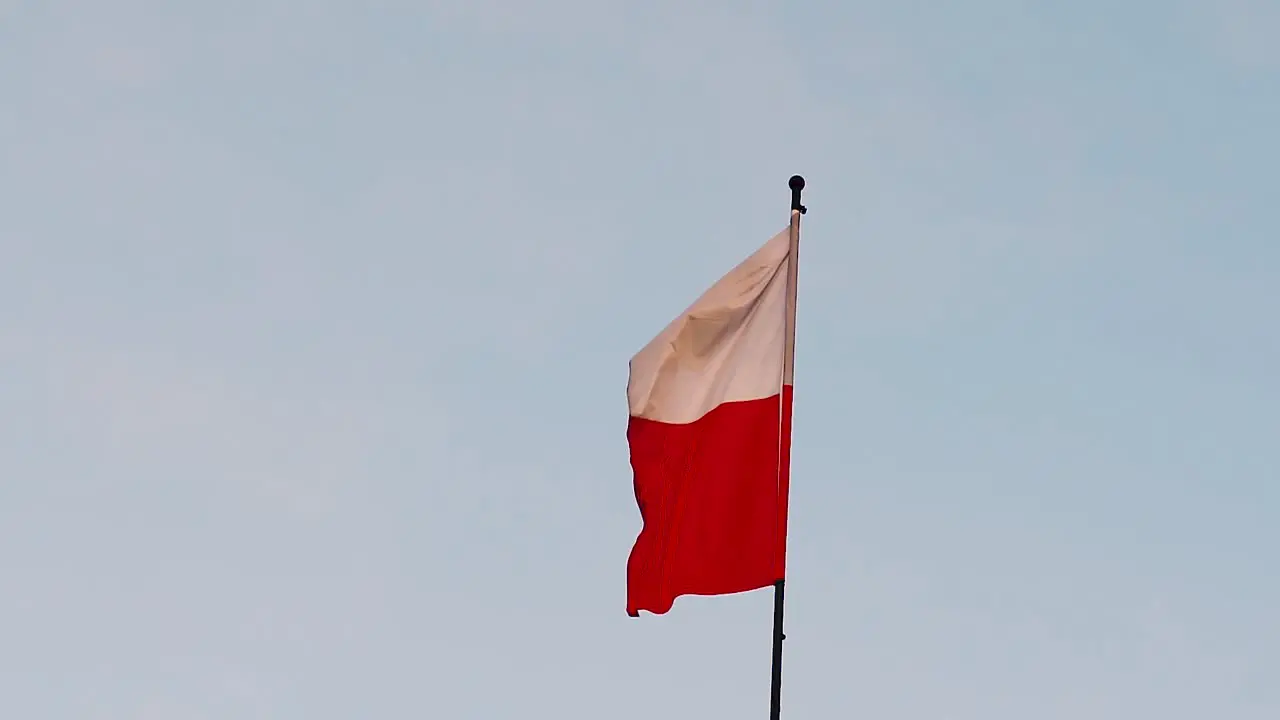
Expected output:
{"points": [[710, 434]]}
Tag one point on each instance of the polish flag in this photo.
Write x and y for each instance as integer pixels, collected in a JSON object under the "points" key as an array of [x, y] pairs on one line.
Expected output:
{"points": [[710, 436]]}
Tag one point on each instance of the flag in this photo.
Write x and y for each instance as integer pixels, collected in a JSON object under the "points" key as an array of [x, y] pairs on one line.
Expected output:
{"points": [[709, 435]]}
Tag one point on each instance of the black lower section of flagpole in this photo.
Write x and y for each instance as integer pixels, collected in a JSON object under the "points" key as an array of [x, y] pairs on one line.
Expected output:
{"points": [[775, 690]]}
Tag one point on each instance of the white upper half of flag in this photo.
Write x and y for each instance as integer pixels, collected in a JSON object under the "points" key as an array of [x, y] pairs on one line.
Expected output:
{"points": [[727, 347]]}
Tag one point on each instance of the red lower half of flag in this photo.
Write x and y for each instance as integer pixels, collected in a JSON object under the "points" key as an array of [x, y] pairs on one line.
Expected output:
{"points": [[713, 498]]}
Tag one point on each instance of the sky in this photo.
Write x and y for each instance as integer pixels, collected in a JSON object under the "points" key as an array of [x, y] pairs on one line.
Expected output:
{"points": [[315, 320]]}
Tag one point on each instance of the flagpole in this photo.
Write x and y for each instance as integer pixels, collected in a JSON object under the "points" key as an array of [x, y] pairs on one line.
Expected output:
{"points": [[788, 373]]}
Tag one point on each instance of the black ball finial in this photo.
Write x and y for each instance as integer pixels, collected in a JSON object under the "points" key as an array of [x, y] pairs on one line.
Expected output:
{"points": [[796, 183]]}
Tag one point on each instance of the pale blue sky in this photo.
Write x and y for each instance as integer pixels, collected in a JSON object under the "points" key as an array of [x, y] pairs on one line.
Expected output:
{"points": [[314, 322]]}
